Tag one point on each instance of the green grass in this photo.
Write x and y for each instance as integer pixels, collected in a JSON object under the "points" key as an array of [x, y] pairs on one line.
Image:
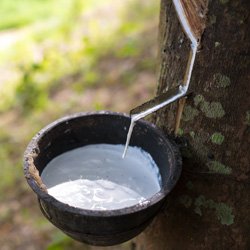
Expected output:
{"points": [[61, 58], [19, 13]]}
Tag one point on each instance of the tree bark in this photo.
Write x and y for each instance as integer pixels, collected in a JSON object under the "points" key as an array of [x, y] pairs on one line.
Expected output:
{"points": [[209, 207]]}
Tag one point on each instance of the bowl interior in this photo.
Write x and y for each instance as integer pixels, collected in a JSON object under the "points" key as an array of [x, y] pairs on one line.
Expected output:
{"points": [[104, 127], [74, 132]]}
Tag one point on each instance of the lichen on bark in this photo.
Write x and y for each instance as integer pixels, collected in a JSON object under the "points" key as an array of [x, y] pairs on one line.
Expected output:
{"points": [[217, 138], [247, 121], [212, 109], [224, 212], [189, 113], [218, 167], [221, 81]]}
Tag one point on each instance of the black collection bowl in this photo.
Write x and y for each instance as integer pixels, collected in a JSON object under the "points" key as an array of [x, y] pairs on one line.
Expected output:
{"points": [[95, 227]]}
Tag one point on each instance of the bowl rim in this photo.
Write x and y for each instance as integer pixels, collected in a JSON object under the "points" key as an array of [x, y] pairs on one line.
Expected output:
{"points": [[44, 196]]}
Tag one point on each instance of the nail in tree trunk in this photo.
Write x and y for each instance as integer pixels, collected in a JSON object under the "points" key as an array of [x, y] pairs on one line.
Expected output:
{"points": [[209, 208]]}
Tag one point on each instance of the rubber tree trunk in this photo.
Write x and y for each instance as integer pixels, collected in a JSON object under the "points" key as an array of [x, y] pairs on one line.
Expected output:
{"points": [[209, 208]]}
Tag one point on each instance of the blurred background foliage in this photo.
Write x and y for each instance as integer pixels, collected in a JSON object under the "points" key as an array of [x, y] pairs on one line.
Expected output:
{"points": [[59, 57]]}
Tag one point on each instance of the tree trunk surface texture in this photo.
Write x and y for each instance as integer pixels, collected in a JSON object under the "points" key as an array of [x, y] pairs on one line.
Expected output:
{"points": [[209, 207]]}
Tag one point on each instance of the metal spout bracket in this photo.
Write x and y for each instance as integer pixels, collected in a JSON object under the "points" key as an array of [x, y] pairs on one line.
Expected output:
{"points": [[192, 22], [159, 101]]}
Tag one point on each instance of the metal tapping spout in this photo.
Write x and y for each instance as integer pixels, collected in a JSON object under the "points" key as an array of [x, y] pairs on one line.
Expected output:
{"points": [[178, 92], [191, 15]]}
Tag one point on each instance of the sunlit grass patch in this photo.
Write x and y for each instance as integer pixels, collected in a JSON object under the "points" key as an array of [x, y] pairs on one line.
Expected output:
{"points": [[18, 13], [45, 66]]}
